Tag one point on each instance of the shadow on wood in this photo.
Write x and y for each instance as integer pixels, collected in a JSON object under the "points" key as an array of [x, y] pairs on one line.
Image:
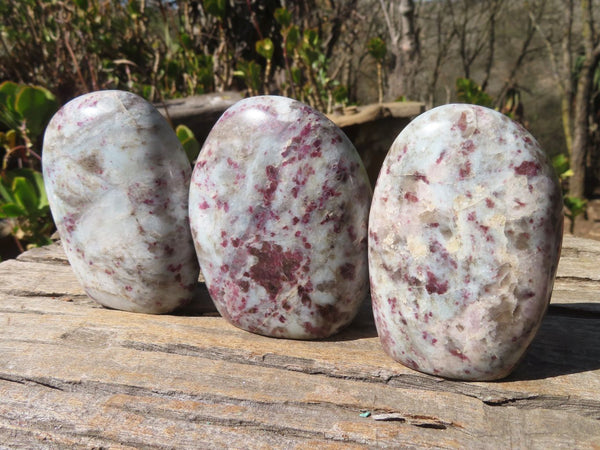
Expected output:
{"points": [[564, 345]]}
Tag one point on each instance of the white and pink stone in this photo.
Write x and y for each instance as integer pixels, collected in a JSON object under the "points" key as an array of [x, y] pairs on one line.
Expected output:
{"points": [[279, 205], [464, 240], [117, 181]]}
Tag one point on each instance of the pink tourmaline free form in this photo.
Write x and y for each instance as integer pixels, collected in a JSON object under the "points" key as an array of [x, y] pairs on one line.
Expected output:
{"points": [[465, 233], [117, 180], [279, 206]]}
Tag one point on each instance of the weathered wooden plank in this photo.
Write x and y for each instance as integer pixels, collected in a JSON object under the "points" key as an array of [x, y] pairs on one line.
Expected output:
{"points": [[560, 348], [577, 286], [73, 374], [289, 403], [86, 346]]}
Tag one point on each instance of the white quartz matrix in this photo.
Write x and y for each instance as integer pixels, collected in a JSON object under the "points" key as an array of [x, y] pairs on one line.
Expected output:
{"points": [[279, 206], [464, 239], [117, 180]]}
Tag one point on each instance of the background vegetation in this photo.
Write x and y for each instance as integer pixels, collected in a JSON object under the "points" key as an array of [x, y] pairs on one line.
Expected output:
{"points": [[535, 60]]}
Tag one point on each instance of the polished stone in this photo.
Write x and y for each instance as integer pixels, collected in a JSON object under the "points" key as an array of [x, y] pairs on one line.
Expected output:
{"points": [[279, 207], [464, 240], [117, 181]]}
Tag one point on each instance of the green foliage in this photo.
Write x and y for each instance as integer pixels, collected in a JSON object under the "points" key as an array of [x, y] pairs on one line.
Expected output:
{"points": [[26, 109], [307, 66], [265, 48], [24, 112], [562, 167], [251, 73], [24, 203], [85, 45], [163, 50], [188, 141], [283, 17], [467, 91], [575, 206], [377, 49], [291, 37]]}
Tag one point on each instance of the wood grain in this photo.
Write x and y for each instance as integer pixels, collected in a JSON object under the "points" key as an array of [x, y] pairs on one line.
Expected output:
{"points": [[76, 375]]}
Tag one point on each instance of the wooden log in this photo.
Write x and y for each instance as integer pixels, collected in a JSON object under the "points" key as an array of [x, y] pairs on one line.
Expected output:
{"points": [[76, 375], [374, 112]]}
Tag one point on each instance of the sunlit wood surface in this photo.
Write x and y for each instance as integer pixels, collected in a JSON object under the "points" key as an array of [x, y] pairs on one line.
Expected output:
{"points": [[73, 374]]}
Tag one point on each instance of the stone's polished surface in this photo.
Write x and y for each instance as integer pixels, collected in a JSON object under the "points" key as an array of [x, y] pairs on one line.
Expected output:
{"points": [[117, 181], [279, 206], [464, 240]]}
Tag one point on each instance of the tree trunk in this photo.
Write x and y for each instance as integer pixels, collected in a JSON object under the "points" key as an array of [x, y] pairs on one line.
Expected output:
{"points": [[581, 128], [405, 48]]}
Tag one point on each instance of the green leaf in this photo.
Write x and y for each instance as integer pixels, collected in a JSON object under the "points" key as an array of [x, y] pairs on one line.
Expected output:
{"points": [[265, 48], [8, 89], [186, 40], [254, 75], [251, 72], [292, 38], [8, 116], [183, 133], [11, 210], [567, 173], [468, 91], [5, 193], [283, 17], [38, 180], [561, 164], [35, 105], [296, 75], [575, 205], [9, 139], [34, 179], [340, 94], [25, 195], [188, 141], [311, 38], [377, 48]]}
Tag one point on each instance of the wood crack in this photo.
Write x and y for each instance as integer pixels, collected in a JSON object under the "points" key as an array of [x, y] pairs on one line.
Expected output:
{"points": [[27, 294], [590, 408], [29, 381], [574, 279], [139, 404], [47, 431], [487, 396]]}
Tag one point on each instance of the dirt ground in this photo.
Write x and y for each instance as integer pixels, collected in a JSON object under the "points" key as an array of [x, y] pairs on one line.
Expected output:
{"points": [[588, 225]]}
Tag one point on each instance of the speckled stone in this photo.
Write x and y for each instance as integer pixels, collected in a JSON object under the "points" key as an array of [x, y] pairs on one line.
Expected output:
{"points": [[464, 240], [279, 207], [117, 181]]}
